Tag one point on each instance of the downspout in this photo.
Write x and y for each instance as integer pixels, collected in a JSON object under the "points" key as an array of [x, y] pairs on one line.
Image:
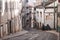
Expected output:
{"points": [[44, 12], [54, 15], [57, 18]]}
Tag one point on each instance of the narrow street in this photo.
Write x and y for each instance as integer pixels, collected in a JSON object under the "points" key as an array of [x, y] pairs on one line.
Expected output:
{"points": [[35, 35], [29, 19]]}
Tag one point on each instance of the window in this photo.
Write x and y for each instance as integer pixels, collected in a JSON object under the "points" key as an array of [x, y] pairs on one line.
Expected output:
{"points": [[34, 8], [26, 0], [27, 14], [6, 7], [37, 12], [26, 7], [30, 12], [11, 5], [41, 14]]}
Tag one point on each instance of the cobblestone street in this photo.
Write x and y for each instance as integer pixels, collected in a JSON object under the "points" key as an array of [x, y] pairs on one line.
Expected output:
{"points": [[35, 35], [29, 19]]}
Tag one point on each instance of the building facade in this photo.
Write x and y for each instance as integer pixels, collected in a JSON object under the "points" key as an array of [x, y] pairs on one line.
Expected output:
{"points": [[47, 14], [10, 16]]}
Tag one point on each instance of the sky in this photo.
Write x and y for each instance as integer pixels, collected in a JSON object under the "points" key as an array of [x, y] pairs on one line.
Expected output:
{"points": [[31, 2]]}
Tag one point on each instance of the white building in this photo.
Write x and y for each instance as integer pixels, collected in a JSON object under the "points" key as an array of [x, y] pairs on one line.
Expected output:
{"points": [[47, 14], [10, 16]]}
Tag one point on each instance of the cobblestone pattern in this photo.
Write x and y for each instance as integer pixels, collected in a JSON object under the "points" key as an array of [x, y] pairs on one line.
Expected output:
{"points": [[35, 35]]}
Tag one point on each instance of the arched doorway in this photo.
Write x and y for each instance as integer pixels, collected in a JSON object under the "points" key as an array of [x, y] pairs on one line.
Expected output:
{"points": [[26, 21]]}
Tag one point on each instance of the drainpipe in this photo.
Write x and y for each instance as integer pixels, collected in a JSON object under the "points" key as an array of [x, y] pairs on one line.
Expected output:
{"points": [[43, 14], [7, 18], [0, 17], [57, 18], [39, 21], [54, 15], [20, 17]]}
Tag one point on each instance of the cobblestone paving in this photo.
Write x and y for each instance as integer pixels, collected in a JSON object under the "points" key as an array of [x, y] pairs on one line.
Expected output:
{"points": [[35, 35]]}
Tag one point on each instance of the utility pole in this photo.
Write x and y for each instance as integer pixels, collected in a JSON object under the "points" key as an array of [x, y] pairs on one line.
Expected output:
{"points": [[54, 14], [43, 14]]}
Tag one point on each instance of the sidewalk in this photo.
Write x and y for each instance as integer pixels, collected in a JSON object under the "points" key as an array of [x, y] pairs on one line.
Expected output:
{"points": [[54, 32], [15, 34]]}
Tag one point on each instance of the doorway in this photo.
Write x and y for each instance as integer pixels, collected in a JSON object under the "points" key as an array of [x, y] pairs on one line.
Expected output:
{"points": [[26, 21]]}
